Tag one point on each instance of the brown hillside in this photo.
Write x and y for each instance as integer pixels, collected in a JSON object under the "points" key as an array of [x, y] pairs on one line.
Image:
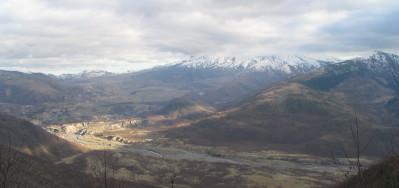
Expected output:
{"points": [[33, 140]]}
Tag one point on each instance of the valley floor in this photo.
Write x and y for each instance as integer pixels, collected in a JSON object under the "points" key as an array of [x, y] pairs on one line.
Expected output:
{"points": [[250, 168]]}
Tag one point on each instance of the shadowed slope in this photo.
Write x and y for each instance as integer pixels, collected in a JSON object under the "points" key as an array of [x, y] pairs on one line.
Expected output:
{"points": [[33, 140]]}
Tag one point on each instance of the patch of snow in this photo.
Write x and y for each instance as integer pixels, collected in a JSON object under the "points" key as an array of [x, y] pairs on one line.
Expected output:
{"points": [[286, 64], [380, 61]]}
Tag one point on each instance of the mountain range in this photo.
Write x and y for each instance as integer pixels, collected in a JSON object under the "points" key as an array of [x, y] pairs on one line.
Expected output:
{"points": [[287, 64], [312, 112], [209, 81], [220, 80]]}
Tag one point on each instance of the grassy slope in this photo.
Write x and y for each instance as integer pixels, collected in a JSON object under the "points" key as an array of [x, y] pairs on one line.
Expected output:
{"points": [[33, 140], [292, 118]]}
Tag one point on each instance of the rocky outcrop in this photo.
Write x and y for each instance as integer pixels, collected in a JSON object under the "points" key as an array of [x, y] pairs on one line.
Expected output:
{"points": [[84, 128], [100, 129], [83, 132], [118, 139]]}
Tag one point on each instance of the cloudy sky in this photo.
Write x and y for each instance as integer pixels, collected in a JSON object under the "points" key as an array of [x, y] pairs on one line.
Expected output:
{"points": [[55, 36]]}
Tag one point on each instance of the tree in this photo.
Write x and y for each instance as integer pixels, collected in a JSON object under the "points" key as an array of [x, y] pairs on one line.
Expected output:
{"points": [[355, 165], [14, 166], [172, 179], [104, 170]]}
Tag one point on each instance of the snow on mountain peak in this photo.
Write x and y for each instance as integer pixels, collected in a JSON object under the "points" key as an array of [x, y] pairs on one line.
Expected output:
{"points": [[288, 64], [379, 61], [379, 56]]}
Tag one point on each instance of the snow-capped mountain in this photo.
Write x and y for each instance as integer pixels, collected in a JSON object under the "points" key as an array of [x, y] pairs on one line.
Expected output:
{"points": [[322, 102], [217, 80], [380, 61], [376, 63], [287, 64]]}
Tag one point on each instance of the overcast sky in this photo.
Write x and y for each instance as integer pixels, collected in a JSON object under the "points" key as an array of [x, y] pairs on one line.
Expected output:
{"points": [[55, 36]]}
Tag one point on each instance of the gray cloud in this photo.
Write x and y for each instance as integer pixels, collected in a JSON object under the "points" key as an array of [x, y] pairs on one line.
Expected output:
{"points": [[361, 30], [76, 34]]}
